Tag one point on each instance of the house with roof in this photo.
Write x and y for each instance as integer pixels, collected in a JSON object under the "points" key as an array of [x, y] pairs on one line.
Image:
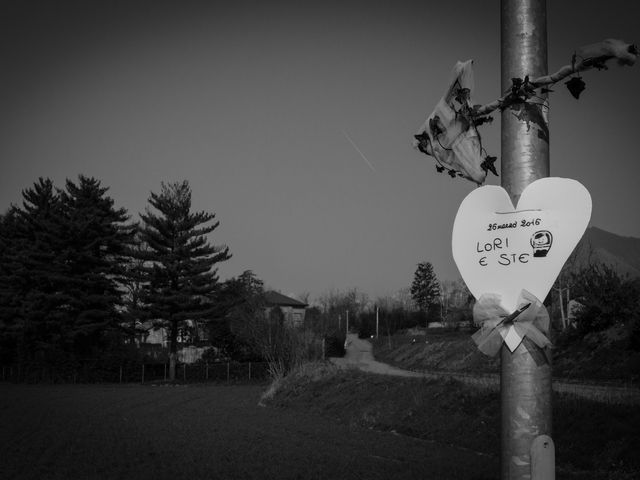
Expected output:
{"points": [[292, 309]]}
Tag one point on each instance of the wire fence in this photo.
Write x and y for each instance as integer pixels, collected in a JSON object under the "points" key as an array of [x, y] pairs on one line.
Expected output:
{"points": [[137, 373]]}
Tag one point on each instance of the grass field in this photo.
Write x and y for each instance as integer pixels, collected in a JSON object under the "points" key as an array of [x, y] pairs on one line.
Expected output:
{"points": [[202, 432]]}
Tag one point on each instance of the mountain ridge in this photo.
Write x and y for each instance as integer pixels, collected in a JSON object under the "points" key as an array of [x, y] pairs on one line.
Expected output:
{"points": [[600, 246]]}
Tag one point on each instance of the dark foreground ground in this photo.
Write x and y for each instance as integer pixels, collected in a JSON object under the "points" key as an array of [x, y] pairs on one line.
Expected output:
{"points": [[202, 432]]}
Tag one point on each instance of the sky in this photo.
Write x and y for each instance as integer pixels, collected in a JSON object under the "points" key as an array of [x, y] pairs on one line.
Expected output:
{"points": [[293, 121]]}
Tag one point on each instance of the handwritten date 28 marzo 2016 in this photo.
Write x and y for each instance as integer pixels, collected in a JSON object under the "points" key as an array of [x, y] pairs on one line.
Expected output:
{"points": [[515, 224]]}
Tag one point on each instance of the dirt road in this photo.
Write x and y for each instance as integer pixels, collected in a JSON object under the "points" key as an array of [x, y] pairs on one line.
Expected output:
{"points": [[359, 354]]}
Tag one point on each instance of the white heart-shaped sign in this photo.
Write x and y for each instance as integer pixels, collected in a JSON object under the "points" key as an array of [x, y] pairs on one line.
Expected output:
{"points": [[501, 249]]}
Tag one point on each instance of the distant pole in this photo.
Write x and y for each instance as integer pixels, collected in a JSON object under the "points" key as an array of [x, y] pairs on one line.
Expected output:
{"points": [[426, 325], [347, 323], [377, 321], [525, 375]]}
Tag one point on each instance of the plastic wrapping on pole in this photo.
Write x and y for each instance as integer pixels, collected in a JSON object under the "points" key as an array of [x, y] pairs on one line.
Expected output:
{"points": [[525, 375]]}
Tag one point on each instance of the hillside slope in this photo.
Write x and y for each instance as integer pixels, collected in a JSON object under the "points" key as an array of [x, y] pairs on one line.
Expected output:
{"points": [[593, 441], [600, 356], [600, 246]]}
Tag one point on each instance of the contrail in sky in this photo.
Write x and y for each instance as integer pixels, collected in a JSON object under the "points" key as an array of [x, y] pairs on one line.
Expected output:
{"points": [[358, 150]]}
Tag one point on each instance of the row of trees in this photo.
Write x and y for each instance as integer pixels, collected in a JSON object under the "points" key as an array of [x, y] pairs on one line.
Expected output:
{"points": [[78, 276], [426, 300], [76, 273], [592, 296], [604, 297]]}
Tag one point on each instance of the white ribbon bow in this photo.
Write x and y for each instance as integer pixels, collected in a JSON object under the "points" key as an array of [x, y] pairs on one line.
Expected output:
{"points": [[531, 319]]}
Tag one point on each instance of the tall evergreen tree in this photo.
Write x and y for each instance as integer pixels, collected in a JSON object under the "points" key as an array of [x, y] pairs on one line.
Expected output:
{"points": [[97, 239], [182, 280], [11, 323], [425, 289], [60, 258], [31, 295]]}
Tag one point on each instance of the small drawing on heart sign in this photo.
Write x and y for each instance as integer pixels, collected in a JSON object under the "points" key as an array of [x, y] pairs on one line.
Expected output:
{"points": [[501, 249]]}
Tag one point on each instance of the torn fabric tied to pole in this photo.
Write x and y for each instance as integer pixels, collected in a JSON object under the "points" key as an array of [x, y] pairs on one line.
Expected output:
{"points": [[448, 134], [530, 320]]}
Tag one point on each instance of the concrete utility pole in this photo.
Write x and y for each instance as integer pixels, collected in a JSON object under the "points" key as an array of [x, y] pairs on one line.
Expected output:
{"points": [[525, 376]]}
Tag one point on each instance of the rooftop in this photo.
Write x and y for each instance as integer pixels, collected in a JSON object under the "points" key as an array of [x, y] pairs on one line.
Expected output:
{"points": [[274, 298]]}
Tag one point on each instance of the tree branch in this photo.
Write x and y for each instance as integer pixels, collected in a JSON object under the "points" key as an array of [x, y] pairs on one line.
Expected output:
{"points": [[591, 56]]}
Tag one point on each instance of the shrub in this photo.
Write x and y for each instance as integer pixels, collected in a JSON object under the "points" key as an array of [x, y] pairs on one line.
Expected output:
{"points": [[334, 345], [607, 298], [299, 379]]}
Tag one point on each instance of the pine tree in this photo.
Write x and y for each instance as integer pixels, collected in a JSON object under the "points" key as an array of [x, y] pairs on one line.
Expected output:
{"points": [[11, 323], [30, 273], [97, 238], [425, 289], [60, 260], [133, 283], [31, 293], [182, 281]]}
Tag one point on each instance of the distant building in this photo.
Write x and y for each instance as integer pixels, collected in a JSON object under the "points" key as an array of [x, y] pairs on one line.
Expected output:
{"points": [[189, 332], [293, 310], [154, 341]]}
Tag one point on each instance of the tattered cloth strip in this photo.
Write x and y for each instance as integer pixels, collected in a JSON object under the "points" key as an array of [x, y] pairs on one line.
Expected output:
{"points": [[531, 320], [448, 134]]}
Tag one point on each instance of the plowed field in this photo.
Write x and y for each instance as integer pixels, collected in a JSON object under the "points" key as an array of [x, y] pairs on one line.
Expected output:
{"points": [[201, 432]]}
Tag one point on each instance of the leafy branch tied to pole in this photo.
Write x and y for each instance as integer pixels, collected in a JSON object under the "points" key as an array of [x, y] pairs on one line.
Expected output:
{"points": [[586, 58], [450, 133]]}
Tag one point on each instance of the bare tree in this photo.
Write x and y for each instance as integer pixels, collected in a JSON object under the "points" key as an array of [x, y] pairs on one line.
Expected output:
{"points": [[581, 257], [280, 344]]}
